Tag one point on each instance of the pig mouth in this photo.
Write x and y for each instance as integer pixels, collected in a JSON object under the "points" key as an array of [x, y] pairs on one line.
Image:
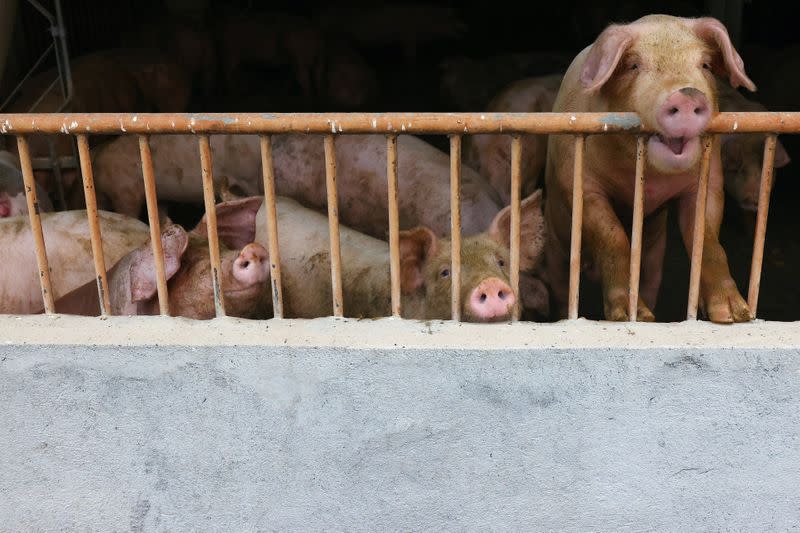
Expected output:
{"points": [[676, 145], [673, 153]]}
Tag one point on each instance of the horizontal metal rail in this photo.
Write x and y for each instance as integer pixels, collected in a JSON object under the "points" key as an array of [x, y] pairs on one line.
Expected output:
{"points": [[413, 123], [579, 125]]}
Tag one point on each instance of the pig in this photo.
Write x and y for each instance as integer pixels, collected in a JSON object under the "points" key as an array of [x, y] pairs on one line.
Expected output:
{"points": [[12, 189], [299, 163], [486, 295], [743, 154], [468, 84], [406, 24], [491, 154], [132, 284], [662, 68], [69, 253], [271, 39], [110, 81]]}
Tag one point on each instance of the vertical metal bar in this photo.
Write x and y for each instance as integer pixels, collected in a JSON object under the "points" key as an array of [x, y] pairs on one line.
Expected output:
{"points": [[516, 189], [699, 232], [636, 229], [455, 224], [271, 211], [36, 224], [333, 226], [764, 192], [394, 223], [211, 220], [155, 226], [94, 224], [577, 227]]}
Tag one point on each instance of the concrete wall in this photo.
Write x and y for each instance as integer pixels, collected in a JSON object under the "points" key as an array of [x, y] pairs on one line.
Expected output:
{"points": [[250, 426]]}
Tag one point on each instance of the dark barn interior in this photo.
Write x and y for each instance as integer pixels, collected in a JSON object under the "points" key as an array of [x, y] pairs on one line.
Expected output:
{"points": [[455, 61]]}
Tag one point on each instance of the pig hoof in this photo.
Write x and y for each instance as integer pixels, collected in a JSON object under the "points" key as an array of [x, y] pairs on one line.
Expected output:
{"points": [[725, 305], [616, 310]]}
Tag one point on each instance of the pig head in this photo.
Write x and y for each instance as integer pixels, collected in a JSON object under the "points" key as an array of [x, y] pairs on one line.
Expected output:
{"points": [[663, 69]]}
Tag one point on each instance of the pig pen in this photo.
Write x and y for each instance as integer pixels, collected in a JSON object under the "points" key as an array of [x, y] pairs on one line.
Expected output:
{"points": [[155, 423]]}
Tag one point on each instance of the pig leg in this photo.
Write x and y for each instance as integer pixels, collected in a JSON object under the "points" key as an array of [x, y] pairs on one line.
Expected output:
{"points": [[654, 244], [608, 245], [719, 297]]}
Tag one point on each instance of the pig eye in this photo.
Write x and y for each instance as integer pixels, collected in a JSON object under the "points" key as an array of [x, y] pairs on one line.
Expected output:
{"points": [[501, 263], [444, 273], [706, 66], [634, 66]]}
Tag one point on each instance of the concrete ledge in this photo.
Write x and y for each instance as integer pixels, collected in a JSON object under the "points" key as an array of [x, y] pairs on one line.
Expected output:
{"points": [[388, 333], [221, 427]]}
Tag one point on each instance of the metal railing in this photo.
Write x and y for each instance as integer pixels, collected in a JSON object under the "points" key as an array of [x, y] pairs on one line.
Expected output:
{"points": [[580, 125]]}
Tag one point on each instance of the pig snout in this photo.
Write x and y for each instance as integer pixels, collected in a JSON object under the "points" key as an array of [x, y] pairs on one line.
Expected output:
{"points": [[251, 266], [684, 114], [491, 299]]}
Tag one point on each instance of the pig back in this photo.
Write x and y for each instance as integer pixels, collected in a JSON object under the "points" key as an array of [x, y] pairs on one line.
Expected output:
{"points": [[423, 182], [69, 252]]}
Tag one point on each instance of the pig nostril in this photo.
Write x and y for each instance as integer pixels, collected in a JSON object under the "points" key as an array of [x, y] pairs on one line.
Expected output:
{"points": [[483, 298], [244, 264], [699, 110], [501, 295], [673, 111]]}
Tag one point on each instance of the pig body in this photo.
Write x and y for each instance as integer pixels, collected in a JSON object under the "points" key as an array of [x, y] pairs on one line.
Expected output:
{"points": [[12, 189], [299, 163], [117, 169], [662, 68], [491, 154], [425, 267], [743, 153], [69, 253]]}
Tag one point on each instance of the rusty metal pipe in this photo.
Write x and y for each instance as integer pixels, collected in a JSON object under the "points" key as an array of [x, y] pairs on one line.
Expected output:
{"points": [[211, 223], [577, 228], [151, 200], [764, 192], [636, 229], [516, 190], [394, 224], [36, 225], [94, 225], [271, 211], [455, 225], [380, 123], [333, 225], [698, 235]]}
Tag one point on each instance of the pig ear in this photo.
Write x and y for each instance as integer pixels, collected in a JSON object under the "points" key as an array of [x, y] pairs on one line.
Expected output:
{"points": [[781, 156], [531, 230], [604, 56], [236, 222], [712, 31], [143, 268], [416, 247]]}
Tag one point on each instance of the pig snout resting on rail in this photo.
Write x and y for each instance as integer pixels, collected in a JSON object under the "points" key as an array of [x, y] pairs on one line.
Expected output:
{"points": [[743, 153], [132, 281], [69, 253], [662, 68], [486, 294], [491, 154], [12, 189]]}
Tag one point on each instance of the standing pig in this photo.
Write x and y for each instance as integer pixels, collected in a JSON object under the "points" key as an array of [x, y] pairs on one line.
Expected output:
{"points": [[662, 68], [425, 267], [12, 189], [491, 154], [743, 153], [132, 284]]}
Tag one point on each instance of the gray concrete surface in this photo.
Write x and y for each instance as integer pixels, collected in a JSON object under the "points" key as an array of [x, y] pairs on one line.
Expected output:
{"points": [[269, 437]]}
